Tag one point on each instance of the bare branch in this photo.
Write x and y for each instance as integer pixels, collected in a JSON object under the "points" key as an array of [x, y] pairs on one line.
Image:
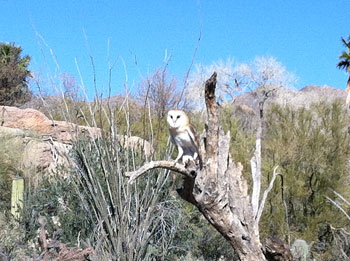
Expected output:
{"points": [[341, 197], [338, 206], [266, 192], [170, 165], [255, 164]]}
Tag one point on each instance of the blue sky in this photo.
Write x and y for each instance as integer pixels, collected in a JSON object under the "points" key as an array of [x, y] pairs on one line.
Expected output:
{"points": [[303, 35]]}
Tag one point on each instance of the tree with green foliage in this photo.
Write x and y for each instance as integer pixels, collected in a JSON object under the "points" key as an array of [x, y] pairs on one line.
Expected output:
{"points": [[344, 64], [14, 74], [311, 146]]}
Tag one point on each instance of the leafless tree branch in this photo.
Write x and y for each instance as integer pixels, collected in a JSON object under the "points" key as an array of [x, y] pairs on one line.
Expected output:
{"points": [[170, 165], [266, 193], [338, 206]]}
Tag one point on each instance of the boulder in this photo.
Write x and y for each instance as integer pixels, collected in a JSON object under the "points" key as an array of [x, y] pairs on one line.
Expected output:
{"points": [[136, 143], [33, 120], [34, 152], [44, 144]]}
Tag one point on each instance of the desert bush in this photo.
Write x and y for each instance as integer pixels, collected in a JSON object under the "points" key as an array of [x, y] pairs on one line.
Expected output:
{"points": [[96, 206], [132, 222], [57, 200], [12, 238], [312, 148], [242, 134], [196, 238]]}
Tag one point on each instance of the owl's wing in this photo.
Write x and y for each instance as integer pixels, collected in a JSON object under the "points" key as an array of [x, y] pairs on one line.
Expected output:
{"points": [[192, 133], [194, 137], [172, 138]]}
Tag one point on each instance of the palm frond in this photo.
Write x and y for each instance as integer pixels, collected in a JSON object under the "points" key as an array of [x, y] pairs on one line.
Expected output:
{"points": [[345, 56], [345, 64], [346, 43]]}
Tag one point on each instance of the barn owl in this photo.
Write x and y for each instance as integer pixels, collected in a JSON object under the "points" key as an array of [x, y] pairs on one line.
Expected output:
{"points": [[184, 136]]}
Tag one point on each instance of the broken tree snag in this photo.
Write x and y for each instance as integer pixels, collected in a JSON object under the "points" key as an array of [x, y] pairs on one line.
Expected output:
{"points": [[210, 100], [226, 204], [219, 190], [212, 110]]}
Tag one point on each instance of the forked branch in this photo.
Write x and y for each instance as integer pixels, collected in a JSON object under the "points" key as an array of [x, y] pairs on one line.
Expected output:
{"points": [[170, 165]]}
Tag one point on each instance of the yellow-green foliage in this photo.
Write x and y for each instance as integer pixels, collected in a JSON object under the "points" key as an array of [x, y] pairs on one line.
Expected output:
{"points": [[311, 146], [242, 139], [12, 238], [74, 111], [55, 198], [197, 238]]}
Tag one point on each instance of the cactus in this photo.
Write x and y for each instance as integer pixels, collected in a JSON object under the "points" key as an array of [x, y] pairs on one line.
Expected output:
{"points": [[300, 250], [17, 196]]}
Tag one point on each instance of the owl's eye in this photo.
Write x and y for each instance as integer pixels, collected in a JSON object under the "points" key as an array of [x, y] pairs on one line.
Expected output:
{"points": [[171, 116], [178, 116]]}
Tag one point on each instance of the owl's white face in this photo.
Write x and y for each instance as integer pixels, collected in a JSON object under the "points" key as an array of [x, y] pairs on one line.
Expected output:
{"points": [[177, 119]]}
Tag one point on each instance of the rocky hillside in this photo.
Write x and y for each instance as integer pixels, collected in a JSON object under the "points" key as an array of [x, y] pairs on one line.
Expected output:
{"points": [[247, 105], [287, 97]]}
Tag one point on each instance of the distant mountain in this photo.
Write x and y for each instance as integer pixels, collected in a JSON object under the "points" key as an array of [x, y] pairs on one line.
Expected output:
{"points": [[294, 98], [247, 107]]}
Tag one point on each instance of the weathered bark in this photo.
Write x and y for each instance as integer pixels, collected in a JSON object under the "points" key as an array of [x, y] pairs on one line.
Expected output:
{"points": [[219, 190]]}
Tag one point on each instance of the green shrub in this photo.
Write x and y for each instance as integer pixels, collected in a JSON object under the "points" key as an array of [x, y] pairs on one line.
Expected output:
{"points": [[56, 198], [312, 148], [131, 221], [12, 238]]}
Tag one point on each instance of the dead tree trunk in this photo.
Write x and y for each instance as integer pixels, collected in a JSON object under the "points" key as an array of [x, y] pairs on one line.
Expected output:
{"points": [[219, 190]]}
